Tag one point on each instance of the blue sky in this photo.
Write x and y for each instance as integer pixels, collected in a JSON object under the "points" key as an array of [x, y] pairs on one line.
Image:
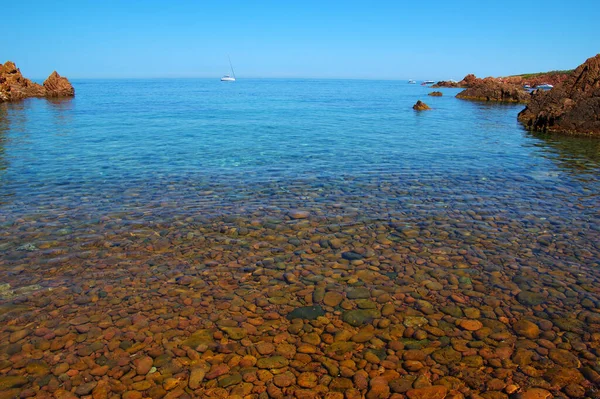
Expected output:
{"points": [[325, 39]]}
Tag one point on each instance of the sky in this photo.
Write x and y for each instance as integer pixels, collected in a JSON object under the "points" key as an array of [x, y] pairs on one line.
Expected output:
{"points": [[435, 40]]}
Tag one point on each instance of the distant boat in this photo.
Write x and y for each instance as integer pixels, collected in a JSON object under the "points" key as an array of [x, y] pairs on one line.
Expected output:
{"points": [[428, 82], [526, 86], [412, 82], [544, 86], [229, 78]]}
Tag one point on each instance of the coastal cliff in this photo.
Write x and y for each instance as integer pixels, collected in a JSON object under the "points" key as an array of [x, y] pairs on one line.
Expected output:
{"points": [[571, 107], [14, 87]]}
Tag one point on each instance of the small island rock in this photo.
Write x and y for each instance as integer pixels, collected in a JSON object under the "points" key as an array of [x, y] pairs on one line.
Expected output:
{"points": [[436, 94], [421, 106]]}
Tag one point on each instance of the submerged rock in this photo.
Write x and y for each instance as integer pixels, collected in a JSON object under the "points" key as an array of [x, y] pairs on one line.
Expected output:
{"points": [[571, 107]]}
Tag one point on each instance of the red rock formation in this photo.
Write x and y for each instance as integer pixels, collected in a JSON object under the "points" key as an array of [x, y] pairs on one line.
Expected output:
{"points": [[435, 94], [13, 86], [571, 107], [533, 80], [490, 89], [58, 86], [420, 106]]}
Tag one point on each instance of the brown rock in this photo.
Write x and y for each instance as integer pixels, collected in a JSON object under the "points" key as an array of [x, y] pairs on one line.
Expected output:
{"points": [[435, 94], [13, 86], [421, 106], [332, 298], [571, 107], [58, 86], [533, 393], [284, 379], [490, 89], [196, 376], [434, 392], [470, 325], [526, 329], [143, 365], [307, 380], [378, 388]]}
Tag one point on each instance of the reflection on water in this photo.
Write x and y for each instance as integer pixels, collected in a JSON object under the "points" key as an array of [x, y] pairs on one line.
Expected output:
{"points": [[571, 153]]}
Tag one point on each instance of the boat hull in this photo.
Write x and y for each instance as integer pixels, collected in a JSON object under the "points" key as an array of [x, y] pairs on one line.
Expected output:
{"points": [[227, 79]]}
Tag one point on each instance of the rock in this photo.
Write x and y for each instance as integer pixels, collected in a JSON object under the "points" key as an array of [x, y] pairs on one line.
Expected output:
{"points": [[490, 89], [571, 107], [229, 380], [530, 298], [420, 106], [526, 329], [446, 355], [235, 333], [86, 388], [351, 255], [332, 298], [359, 317], [532, 393], [58, 86], [13, 86], [358, 293], [564, 358], [297, 214], [378, 388], [273, 362], [8, 382], [196, 377], [143, 365], [306, 312], [433, 392], [307, 380], [284, 380], [470, 325], [435, 94]]}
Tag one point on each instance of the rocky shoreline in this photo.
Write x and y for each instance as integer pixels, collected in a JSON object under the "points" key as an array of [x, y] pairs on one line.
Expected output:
{"points": [[14, 87], [571, 107]]}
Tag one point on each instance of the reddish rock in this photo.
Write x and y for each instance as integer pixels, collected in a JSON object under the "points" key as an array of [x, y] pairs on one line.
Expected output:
{"points": [[435, 94], [13, 86], [420, 106], [143, 365], [434, 392], [58, 86], [490, 89], [571, 107]]}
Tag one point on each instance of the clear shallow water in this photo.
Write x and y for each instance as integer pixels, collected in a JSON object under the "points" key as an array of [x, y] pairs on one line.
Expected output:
{"points": [[183, 192]]}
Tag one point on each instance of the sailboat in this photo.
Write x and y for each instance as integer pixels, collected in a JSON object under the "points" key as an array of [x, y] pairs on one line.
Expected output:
{"points": [[229, 78]]}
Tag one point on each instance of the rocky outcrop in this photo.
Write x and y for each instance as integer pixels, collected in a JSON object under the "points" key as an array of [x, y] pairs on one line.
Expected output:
{"points": [[420, 106], [571, 107], [490, 89], [13, 86], [532, 79], [58, 86], [435, 94], [467, 81]]}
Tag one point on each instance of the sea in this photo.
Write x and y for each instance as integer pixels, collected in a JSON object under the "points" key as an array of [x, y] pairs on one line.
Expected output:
{"points": [[145, 216]]}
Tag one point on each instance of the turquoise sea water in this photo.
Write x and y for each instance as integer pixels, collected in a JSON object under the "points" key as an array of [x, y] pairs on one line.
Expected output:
{"points": [[319, 224], [245, 138]]}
